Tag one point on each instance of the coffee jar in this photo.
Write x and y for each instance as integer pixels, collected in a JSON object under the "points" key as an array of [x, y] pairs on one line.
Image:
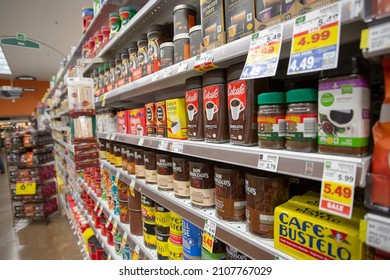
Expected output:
{"points": [[229, 193], [184, 17], [139, 163], [156, 36], [202, 187], [181, 177], [194, 107], [263, 194], [150, 167], [215, 106], [133, 56], [167, 54], [301, 120], [181, 47], [164, 172], [271, 120], [130, 160], [195, 40], [142, 55]]}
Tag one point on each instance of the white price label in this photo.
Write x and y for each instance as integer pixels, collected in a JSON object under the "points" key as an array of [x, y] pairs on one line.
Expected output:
{"points": [[183, 65], [337, 188], [167, 72], [210, 227], [377, 232], [268, 162], [204, 61], [163, 145], [264, 51], [141, 141], [177, 147], [155, 77], [379, 37]]}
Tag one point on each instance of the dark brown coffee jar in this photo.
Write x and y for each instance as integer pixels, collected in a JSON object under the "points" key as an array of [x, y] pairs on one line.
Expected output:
{"points": [[111, 152], [117, 154], [125, 66], [150, 167], [164, 172], [130, 160], [124, 157], [181, 47], [242, 106], [215, 106], [229, 193], [202, 187], [156, 36], [142, 55], [166, 54], [184, 17], [194, 107], [102, 149], [133, 56], [195, 40], [181, 177], [139, 163], [264, 192]]}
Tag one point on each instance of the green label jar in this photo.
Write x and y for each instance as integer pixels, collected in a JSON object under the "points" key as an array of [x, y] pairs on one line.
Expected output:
{"points": [[115, 23]]}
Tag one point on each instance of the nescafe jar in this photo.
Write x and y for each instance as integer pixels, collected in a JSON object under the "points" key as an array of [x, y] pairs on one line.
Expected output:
{"points": [[150, 167], [242, 106], [229, 193], [164, 172], [184, 17], [139, 163], [133, 56], [194, 107], [142, 55], [156, 36], [271, 120], [202, 187], [215, 106], [181, 177], [166, 54], [263, 194]]}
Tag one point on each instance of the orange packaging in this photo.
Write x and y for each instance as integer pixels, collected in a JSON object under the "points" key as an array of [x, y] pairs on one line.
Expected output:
{"points": [[161, 119], [150, 119], [137, 122], [122, 122]]}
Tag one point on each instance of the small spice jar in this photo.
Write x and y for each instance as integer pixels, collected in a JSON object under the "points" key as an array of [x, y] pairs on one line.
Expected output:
{"points": [[126, 14], [194, 107], [271, 120], [184, 17], [182, 47], [133, 56], [301, 120], [166, 54], [195, 40], [115, 23]]}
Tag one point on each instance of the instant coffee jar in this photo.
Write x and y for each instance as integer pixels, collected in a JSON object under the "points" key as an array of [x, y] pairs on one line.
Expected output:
{"points": [[156, 36], [181, 177], [242, 106], [133, 56], [202, 190], [164, 171], [166, 54], [150, 167], [130, 160], [194, 107], [139, 163], [215, 106], [184, 17], [195, 40]]}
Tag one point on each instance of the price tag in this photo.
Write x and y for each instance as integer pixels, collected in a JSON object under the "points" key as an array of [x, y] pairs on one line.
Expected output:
{"points": [[132, 186], [26, 188], [377, 232], [124, 239], [103, 99], [268, 162], [100, 210], [112, 137], [117, 178], [109, 221], [96, 206], [155, 77], [183, 65], [264, 51], [379, 37], [177, 147], [204, 62], [163, 145], [167, 72], [136, 253], [209, 235], [141, 141], [315, 42], [114, 226], [337, 188]]}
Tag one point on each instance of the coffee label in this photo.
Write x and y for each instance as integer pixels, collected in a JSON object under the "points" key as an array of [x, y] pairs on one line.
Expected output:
{"points": [[260, 223], [148, 213], [132, 61], [301, 127], [212, 18], [176, 225], [230, 208], [121, 119], [150, 119], [181, 188], [194, 113], [162, 248], [163, 219], [202, 197], [161, 121], [271, 128], [239, 18], [140, 171], [165, 182], [211, 106], [142, 58], [237, 101], [151, 176], [176, 118]]}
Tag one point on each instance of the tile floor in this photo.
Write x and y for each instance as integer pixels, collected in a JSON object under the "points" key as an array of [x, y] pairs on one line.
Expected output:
{"points": [[34, 241]]}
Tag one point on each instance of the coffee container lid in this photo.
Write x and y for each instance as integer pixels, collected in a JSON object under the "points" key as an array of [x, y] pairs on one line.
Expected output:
{"points": [[271, 98], [193, 83], [181, 36], [217, 76], [195, 28], [141, 37], [184, 6], [234, 71], [156, 27], [167, 44], [132, 45], [302, 95]]}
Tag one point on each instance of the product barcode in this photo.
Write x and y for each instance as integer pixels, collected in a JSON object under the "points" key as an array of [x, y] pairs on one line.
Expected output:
{"points": [[328, 59], [272, 158], [309, 127]]}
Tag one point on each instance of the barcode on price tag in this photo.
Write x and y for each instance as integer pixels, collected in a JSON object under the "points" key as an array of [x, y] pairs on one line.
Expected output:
{"points": [[163, 145], [141, 141], [177, 147], [268, 162]]}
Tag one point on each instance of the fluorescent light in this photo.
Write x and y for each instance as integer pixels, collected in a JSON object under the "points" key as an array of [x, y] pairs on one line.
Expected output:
{"points": [[4, 67]]}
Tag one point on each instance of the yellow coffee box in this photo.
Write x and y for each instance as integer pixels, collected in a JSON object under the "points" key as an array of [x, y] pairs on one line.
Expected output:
{"points": [[176, 118], [305, 232]]}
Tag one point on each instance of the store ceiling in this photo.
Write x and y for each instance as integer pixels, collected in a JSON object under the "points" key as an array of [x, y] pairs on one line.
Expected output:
{"points": [[55, 24]]}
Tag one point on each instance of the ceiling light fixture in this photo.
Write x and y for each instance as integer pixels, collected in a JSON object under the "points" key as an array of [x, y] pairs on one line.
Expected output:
{"points": [[4, 67]]}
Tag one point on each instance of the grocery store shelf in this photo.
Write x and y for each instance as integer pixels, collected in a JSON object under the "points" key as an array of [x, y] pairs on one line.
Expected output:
{"points": [[378, 39], [80, 243], [289, 163], [233, 233], [134, 241], [61, 128], [61, 114], [66, 145]]}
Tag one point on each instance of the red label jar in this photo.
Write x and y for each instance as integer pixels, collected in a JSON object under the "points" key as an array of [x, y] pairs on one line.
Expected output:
{"points": [[194, 107]]}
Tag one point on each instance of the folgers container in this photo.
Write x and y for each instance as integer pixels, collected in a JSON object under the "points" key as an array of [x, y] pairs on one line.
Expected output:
{"points": [[175, 229], [234, 254], [175, 251], [301, 120], [167, 54], [181, 177], [271, 120], [202, 190], [194, 107], [130, 160], [195, 40], [162, 246], [184, 17], [242, 106], [139, 163], [229, 193], [156, 36], [148, 209], [164, 172], [218, 253], [263, 194], [215, 106], [149, 232], [163, 220], [150, 167], [181, 47], [192, 241]]}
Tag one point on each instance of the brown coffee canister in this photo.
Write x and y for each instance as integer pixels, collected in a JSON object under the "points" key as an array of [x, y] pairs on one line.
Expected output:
{"points": [[166, 54], [124, 157], [184, 17], [136, 223], [242, 106], [194, 107], [215, 106], [139, 163], [181, 47], [229, 193], [134, 199], [150, 167], [181, 177], [195, 40], [164, 172], [202, 190], [263, 194], [130, 160]]}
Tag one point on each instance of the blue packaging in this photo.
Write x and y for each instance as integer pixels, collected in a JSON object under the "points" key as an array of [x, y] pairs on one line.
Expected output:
{"points": [[192, 240]]}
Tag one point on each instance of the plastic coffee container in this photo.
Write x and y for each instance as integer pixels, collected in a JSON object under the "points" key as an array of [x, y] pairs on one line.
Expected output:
{"points": [[167, 54], [181, 47], [150, 167], [181, 177], [202, 190], [194, 107], [195, 40], [184, 17], [142, 55]]}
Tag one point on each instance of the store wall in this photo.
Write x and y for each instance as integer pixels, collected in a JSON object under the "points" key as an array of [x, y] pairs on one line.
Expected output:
{"points": [[23, 106]]}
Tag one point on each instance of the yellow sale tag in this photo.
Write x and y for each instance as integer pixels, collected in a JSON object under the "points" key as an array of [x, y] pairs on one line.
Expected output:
{"points": [[26, 188], [204, 62], [136, 253], [208, 241], [364, 39]]}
